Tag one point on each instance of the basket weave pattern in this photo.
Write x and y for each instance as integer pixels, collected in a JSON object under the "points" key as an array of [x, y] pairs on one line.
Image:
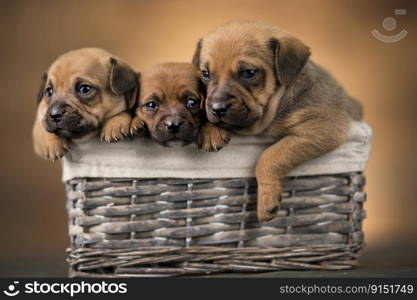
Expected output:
{"points": [[135, 227]]}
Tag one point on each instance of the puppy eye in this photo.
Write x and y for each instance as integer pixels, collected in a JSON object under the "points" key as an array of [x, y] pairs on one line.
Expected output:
{"points": [[205, 75], [49, 91], [191, 102], [151, 105], [248, 74], [85, 89]]}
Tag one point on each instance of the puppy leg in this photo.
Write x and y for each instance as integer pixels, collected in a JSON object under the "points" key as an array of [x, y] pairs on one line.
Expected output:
{"points": [[212, 138], [137, 126], [47, 145], [116, 128], [307, 139]]}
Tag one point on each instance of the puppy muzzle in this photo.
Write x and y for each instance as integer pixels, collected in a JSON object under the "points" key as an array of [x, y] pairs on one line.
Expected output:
{"points": [[66, 123], [174, 132], [231, 113]]}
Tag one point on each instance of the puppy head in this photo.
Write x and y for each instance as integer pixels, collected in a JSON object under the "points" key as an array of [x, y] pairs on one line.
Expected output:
{"points": [[84, 87], [171, 103], [243, 65]]}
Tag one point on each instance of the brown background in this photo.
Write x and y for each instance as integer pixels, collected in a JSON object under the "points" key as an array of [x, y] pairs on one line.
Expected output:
{"points": [[381, 75]]}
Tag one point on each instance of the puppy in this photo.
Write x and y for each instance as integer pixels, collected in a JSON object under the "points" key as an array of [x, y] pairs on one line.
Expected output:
{"points": [[82, 91], [260, 81], [171, 108]]}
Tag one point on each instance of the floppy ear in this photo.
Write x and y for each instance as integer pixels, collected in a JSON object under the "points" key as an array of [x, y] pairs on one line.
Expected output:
{"points": [[132, 96], [136, 92], [124, 81], [203, 92], [41, 88], [196, 56], [290, 56]]}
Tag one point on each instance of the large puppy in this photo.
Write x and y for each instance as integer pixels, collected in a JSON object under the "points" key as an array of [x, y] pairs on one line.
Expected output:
{"points": [[82, 91], [171, 108], [260, 81]]}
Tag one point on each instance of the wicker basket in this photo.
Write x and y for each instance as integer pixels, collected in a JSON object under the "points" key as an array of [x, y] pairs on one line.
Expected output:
{"points": [[124, 227], [197, 226]]}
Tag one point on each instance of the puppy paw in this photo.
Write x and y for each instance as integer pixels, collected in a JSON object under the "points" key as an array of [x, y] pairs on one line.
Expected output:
{"points": [[212, 138], [268, 200], [115, 128], [51, 147], [137, 126]]}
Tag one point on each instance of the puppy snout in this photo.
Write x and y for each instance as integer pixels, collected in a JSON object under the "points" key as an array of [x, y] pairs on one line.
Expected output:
{"points": [[220, 102], [57, 112], [173, 126], [220, 108]]}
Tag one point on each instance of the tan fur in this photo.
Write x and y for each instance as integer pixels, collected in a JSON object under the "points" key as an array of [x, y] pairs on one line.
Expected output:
{"points": [[168, 84], [92, 66], [47, 145], [116, 127], [212, 138], [290, 98]]}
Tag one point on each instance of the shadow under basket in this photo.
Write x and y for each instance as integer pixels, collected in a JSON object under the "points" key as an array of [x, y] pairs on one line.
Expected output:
{"points": [[126, 227]]}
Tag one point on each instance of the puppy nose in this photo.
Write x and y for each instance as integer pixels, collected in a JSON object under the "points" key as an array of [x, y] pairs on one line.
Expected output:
{"points": [[173, 126], [56, 113], [220, 108]]}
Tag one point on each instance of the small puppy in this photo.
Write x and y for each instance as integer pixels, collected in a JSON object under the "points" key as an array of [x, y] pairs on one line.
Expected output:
{"points": [[171, 108], [260, 81], [82, 91]]}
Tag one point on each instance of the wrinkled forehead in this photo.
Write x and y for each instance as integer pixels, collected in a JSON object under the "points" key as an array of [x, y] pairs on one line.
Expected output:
{"points": [[66, 70], [169, 82], [225, 51]]}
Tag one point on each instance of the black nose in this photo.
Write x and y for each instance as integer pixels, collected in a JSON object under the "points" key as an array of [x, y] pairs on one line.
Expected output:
{"points": [[173, 126], [220, 108], [56, 113]]}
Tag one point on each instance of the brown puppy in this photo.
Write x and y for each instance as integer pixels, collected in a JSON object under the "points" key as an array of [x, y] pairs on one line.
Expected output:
{"points": [[83, 90], [171, 108], [260, 81]]}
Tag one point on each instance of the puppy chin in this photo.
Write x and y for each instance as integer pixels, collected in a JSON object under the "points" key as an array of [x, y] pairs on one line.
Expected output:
{"points": [[86, 137], [63, 133], [229, 122], [71, 134], [77, 133]]}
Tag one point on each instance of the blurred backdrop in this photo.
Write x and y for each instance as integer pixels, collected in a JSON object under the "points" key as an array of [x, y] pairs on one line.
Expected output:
{"points": [[382, 76]]}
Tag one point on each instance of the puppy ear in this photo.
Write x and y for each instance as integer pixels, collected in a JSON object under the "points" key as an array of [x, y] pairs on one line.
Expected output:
{"points": [[132, 96], [124, 81], [136, 92], [203, 93], [42, 88], [196, 56], [290, 56]]}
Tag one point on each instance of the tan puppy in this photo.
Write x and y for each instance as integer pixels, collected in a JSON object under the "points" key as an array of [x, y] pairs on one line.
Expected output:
{"points": [[171, 108], [82, 91], [260, 81]]}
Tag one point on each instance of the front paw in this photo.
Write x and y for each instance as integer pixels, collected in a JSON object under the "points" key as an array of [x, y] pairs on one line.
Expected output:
{"points": [[53, 148], [137, 126], [115, 129], [212, 138], [268, 200]]}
